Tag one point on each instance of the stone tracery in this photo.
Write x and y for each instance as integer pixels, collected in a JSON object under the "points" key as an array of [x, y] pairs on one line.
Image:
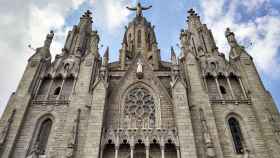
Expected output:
{"points": [[139, 109]]}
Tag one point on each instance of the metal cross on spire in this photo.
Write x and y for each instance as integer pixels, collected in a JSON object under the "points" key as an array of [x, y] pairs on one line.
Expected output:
{"points": [[139, 8]]}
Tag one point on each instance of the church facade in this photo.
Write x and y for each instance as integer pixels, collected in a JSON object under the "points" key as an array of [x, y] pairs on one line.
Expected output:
{"points": [[197, 105]]}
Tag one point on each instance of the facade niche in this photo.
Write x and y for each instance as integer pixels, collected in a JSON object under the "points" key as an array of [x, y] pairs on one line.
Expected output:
{"points": [[236, 87], [39, 146], [67, 87], [212, 88], [43, 90], [57, 91], [224, 87], [56, 87], [236, 135]]}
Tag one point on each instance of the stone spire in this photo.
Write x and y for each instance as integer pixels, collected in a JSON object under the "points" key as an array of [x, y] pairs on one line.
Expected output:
{"points": [[173, 57], [193, 19], [106, 57]]}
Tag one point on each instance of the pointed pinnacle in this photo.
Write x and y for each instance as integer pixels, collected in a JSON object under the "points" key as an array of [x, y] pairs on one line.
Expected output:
{"points": [[106, 54], [173, 54]]}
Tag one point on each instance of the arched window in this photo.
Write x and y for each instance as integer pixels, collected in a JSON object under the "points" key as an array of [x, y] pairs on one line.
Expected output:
{"points": [[57, 91], [139, 39], [223, 90], [236, 135], [42, 137]]}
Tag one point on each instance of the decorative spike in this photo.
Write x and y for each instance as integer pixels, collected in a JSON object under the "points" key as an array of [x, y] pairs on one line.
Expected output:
{"points": [[106, 57], [173, 57]]}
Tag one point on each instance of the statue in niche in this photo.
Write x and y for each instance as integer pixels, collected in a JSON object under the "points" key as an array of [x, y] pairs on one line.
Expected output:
{"points": [[126, 121], [246, 153], [6, 128], [73, 139], [275, 125], [210, 151], [35, 151], [139, 66], [139, 71]]}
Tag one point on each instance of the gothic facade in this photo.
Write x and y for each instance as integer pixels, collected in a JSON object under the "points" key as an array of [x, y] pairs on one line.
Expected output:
{"points": [[197, 105]]}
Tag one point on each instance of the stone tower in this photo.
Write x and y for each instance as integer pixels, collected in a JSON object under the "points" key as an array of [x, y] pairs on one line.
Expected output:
{"points": [[199, 105]]}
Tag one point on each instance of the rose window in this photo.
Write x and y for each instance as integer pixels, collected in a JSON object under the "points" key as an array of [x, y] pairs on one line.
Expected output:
{"points": [[139, 109]]}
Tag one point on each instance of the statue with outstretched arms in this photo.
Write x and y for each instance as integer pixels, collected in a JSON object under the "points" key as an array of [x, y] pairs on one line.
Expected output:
{"points": [[139, 8]]}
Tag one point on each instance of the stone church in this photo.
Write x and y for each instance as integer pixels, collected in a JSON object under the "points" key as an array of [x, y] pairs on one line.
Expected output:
{"points": [[197, 105]]}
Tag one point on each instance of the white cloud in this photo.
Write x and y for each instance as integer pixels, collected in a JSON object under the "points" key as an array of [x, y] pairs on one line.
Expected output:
{"points": [[23, 23], [263, 31], [111, 14], [28, 22]]}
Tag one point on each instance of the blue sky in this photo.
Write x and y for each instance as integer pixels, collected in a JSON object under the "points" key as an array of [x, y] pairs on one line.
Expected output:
{"points": [[253, 21]]}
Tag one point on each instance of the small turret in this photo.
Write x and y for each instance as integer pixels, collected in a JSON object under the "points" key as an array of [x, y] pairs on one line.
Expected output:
{"points": [[173, 57], [105, 60], [202, 41], [193, 19]]}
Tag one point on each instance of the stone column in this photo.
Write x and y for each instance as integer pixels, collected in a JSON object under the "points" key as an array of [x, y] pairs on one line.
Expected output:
{"points": [[49, 89], [101, 152], [230, 87], [131, 151], [39, 86], [58, 96], [242, 87], [218, 87], [162, 151], [147, 151], [116, 151], [178, 152]]}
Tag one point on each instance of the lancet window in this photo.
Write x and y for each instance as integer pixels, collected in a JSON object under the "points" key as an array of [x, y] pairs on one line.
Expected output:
{"points": [[41, 142], [236, 135]]}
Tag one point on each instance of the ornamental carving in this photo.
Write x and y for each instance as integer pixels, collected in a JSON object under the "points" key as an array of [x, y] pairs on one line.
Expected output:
{"points": [[139, 109]]}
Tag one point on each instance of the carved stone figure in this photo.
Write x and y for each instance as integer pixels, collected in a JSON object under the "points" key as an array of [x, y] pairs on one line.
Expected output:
{"points": [[6, 128], [210, 151], [139, 8], [49, 39], [72, 143], [139, 66], [139, 71], [275, 125]]}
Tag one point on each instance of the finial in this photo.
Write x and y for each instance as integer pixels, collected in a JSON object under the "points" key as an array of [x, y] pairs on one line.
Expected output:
{"points": [[191, 11], [106, 54], [173, 56], [106, 57], [49, 39], [87, 14]]}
